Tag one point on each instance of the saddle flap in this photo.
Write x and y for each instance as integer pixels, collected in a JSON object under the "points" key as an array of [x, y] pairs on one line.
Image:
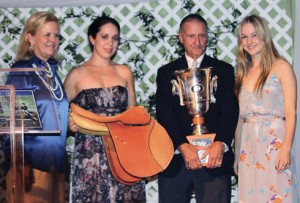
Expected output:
{"points": [[143, 151], [135, 115], [161, 145], [115, 166]]}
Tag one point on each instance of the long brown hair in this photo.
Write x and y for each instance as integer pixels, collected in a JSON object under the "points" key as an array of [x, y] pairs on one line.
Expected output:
{"points": [[268, 54]]}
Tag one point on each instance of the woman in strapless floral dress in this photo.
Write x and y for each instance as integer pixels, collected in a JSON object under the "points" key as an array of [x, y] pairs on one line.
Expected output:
{"points": [[266, 88], [106, 88]]}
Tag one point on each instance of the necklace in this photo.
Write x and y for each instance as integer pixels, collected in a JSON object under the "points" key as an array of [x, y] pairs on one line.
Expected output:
{"points": [[50, 87], [48, 70]]}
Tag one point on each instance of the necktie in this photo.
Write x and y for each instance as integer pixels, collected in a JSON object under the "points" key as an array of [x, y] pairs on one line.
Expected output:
{"points": [[195, 64]]}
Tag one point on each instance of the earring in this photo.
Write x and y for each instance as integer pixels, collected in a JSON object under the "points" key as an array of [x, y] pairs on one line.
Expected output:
{"points": [[31, 48]]}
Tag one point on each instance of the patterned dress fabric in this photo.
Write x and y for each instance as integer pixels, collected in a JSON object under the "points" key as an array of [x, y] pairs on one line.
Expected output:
{"points": [[92, 180], [261, 140]]}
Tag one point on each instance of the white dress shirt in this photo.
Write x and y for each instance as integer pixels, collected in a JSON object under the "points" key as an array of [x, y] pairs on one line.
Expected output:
{"points": [[194, 63]]}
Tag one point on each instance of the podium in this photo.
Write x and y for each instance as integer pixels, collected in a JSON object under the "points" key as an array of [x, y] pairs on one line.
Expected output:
{"points": [[19, 117]]}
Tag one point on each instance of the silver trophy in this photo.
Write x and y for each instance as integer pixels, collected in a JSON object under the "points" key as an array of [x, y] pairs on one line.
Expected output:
{"points": [[195, 88]]}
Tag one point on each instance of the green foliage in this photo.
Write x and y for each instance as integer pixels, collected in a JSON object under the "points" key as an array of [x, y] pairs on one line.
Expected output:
{"points": [[188, 4], [7, 59], [8, 26], [75, 58], [149, 104]]}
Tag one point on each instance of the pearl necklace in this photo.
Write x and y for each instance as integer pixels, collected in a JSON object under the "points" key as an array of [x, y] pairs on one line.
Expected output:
{"points": [[52, 89]]}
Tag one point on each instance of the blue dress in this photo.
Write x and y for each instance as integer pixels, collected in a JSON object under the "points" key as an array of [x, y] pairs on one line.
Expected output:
{"points": [[92, 180], [45, 152]]}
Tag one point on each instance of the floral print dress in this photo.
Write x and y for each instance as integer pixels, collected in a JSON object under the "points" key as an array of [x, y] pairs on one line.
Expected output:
{"points": [[261, 139], [92, 180]]}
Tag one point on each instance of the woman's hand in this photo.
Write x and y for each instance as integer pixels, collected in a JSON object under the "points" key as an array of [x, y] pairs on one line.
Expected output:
{"points": [[72, 126], [283, 160]]}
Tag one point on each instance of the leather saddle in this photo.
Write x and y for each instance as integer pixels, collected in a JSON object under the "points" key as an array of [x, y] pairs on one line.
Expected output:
{"points": [[137, 146]]}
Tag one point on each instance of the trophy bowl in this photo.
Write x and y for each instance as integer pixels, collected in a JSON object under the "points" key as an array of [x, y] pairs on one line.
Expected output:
{"points": [[195, 88]]}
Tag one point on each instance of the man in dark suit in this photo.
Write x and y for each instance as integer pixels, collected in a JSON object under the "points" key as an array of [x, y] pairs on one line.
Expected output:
{"points": [[185, 174]]}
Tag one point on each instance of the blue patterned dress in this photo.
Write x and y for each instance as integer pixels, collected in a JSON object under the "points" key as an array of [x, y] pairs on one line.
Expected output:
{"points": [[261, 140], [92, 180]]}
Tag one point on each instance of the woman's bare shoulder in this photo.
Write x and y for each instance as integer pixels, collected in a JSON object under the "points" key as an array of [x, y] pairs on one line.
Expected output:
{"points": [[283, 69], [281, 66], [79, 69], [75, 74], [123, 69]]}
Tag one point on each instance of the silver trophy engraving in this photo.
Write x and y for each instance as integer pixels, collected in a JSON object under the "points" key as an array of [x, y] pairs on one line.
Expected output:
{"points": [[195, 88]]}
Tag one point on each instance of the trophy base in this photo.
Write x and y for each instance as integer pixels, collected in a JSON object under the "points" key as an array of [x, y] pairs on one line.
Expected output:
{"points": [[202, 140]]}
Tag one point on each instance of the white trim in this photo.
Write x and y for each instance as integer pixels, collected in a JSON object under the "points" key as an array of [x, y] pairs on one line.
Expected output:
{"points": [[60, 3]]}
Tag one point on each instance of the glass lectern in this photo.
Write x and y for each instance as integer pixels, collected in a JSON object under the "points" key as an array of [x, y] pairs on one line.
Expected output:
{"points": [[19, 117]]}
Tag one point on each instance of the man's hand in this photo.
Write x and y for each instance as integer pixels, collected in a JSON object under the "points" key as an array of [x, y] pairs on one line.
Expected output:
{"points": [[190, 155], [215, 152]]}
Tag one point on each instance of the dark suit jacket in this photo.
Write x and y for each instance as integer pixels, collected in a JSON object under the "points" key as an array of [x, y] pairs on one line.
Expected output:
{"points": [[221, 117]]}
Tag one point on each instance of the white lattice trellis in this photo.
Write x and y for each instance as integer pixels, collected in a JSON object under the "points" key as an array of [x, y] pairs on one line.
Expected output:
{"points": [[167, 14]]}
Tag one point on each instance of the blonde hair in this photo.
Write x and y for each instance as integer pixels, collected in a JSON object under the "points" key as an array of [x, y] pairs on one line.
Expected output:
{"points": [[36, 21], [268, 53]]}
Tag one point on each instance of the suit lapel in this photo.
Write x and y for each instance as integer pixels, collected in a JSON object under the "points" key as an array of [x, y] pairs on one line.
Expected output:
{"points": [[205, 62], [181, 64]]}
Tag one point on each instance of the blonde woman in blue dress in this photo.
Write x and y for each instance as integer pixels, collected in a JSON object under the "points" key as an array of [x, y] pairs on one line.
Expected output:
{"points": [[266, 88]]}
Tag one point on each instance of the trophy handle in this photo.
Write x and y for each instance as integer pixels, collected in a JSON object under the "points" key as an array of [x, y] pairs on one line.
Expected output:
{"points": [[213, 88], [176, 88]]}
